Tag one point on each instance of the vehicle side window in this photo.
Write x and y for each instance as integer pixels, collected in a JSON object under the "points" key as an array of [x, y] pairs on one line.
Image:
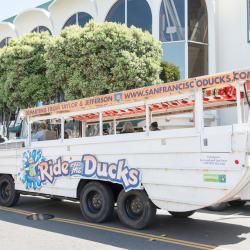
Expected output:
{"points": [[72, 129], [92, 130], [175, 114], [24, 130], [219, 114], [131, 126], [46, 130]]}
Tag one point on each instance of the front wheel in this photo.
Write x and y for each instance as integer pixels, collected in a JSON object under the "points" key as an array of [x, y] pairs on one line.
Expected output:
{"points": [[97, 202], [8, 195], [181, 214], [135, 209]]}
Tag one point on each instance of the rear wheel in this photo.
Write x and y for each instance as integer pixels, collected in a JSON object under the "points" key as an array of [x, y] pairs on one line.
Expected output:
{"points": [[135, 209], [182, 214], [97, 202], [8, 195]]}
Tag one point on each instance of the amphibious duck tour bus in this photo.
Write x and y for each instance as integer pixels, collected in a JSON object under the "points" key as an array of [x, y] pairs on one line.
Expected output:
{"points": [[82, 155]]}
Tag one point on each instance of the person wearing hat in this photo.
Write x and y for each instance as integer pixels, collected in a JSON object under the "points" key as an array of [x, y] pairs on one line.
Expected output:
{"points": [[154, 126]]}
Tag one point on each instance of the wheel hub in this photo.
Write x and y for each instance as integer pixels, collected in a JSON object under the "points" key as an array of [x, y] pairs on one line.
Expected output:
{"points": [[96, 201], [136, 206]]}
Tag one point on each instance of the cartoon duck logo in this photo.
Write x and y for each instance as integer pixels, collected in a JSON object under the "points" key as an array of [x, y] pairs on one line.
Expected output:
{"points": [[29, 173]]}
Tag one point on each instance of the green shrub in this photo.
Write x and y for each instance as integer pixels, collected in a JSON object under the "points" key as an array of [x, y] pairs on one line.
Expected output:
{"points": [[170, 72], [102, 58]]}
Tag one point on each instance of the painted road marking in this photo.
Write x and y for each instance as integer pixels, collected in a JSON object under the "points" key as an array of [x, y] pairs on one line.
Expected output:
{"points": [[127, 232]]}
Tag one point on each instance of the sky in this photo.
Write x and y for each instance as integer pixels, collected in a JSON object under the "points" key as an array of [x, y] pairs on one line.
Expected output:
{"points": [[10, 8]]}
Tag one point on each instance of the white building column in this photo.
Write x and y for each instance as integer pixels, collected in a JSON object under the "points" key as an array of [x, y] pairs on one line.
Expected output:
{"points": [[7, 30], [211, 10], [155, 6], [27, 20]]}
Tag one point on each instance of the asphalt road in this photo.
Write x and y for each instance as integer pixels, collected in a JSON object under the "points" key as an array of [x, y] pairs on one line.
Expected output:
{"points": [[67, 230]]}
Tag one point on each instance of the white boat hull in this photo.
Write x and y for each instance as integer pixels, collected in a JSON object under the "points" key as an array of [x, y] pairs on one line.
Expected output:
{"points": [[178, 171]]}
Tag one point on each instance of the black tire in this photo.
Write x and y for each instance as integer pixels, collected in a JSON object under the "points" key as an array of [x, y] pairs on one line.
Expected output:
{"points": [[8, 195], [237, 203], [97, 202], [181, 214], [218, 207], [135, 210]]}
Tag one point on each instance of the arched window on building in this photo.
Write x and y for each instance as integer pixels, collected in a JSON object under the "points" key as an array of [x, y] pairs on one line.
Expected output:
{"points": [[80, 18], [5, 42], [172, 33], [172, 20], [132, 13], [173, 27], [197, 38], [40, 29]]}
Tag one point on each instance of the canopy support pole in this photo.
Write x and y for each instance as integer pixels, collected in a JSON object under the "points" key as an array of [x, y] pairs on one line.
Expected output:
{"points": [[62, 129], [83, 129], [101, 123], [114, 126], [239, 107], [29, 132], [148, 118], [198, 112]]}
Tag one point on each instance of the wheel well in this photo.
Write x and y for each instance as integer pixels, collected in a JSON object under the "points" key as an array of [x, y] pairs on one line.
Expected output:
{"points": [[116, 188], [7, 175]]}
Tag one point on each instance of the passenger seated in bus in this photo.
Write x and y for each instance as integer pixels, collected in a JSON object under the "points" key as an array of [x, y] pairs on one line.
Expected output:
{"points": [[127, 128], [154, 126], [41, 134]]}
